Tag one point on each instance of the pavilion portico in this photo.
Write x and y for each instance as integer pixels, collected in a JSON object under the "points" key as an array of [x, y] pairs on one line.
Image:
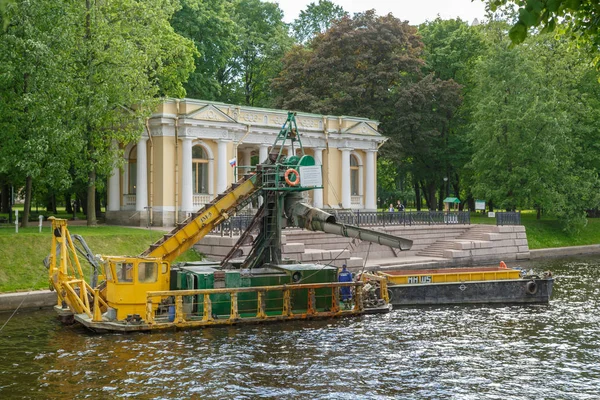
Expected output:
{"points": [[185, 159]]}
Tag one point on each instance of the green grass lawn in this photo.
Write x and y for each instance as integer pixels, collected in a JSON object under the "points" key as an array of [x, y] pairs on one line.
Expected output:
{"points": [[22, 254], [547, 232]]}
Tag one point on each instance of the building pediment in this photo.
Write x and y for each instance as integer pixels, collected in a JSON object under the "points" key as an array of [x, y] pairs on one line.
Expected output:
{"points": [[362, 128], [210, 113]]}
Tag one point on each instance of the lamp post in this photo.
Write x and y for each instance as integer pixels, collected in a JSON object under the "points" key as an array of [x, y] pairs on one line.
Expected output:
{"points": [[446, 185]]}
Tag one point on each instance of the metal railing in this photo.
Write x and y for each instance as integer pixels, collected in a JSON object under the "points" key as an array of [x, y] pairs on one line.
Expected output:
{"points": [[235, 225], [508, 218], [401, 218], [268, 303]]}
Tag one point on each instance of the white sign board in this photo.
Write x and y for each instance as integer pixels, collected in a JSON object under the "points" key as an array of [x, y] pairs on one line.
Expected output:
{"points": [[491, 214], [479, 204], [311, 176]]}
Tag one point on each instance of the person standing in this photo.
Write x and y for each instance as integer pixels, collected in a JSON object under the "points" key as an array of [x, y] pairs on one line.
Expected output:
{"points": [[345, 292]]}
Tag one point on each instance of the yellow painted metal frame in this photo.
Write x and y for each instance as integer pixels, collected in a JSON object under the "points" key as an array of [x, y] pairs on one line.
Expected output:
{"points": [[208, 319], [454, 276], [66, 276]]}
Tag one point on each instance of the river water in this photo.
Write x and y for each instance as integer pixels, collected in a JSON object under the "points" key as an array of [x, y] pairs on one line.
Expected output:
{"points": [[458, 352]]}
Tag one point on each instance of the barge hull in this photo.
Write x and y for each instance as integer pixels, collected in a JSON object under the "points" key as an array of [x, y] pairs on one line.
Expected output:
{"points": [[515, 291]]}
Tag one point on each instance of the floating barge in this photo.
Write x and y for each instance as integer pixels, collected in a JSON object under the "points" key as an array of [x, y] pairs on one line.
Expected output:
{"points": [[481, 285], [195, 303]]}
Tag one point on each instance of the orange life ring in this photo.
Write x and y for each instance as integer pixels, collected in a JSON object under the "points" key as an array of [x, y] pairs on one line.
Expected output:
{"points": [[503, 265], [287, 177]]}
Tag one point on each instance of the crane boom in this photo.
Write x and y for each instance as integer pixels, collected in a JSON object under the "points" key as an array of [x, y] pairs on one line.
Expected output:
{"points": [[186, 234]]}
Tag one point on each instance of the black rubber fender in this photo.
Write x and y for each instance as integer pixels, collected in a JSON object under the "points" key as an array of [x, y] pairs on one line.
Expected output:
{"points": [[531, 287], [296, 276]]}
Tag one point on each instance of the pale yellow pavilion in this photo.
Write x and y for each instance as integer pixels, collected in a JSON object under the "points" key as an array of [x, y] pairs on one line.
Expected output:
{"points": [[184, 161]]}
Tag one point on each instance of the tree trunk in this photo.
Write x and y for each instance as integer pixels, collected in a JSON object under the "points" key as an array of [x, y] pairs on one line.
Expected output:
{"points": [[51, 204], [425, 195], [91, 199], [98, 204], [429, 192], [27, 205], [417, 197], [4, 206], [470, 203], [68, 205]]}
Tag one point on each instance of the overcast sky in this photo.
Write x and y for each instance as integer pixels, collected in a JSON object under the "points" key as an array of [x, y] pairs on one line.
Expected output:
{"points": [[415, 11]]}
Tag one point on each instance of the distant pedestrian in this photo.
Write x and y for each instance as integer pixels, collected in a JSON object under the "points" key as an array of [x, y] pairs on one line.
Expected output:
{"points": [[391, 209]]}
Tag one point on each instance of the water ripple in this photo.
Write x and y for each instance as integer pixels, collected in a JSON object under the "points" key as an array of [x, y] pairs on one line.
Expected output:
{"points": [[468, 352]]}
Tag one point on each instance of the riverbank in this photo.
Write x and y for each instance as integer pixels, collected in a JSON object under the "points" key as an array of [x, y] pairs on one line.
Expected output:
{"points": [[46, 298]]}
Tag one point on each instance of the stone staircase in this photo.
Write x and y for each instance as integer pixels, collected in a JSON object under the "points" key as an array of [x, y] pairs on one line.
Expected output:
{"points": [[481, 244], [472, 234], [440, 244], [477, 232]]}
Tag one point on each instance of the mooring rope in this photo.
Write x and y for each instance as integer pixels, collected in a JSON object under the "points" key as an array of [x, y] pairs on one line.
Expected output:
{"points": [[19, 306]]}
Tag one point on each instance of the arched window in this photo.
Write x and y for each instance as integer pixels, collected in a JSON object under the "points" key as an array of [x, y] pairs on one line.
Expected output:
{"points": [[199, 170], [354, 176], [132, 170]]}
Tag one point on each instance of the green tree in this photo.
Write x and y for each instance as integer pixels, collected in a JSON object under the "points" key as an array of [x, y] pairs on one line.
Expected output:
{"points": [[208, 23], [127, 55], [419, 131], [580, 16], [352, 68], [317, 18], [451, 48], [35, 141], [262, 40], [3, 14], [532, 144]]}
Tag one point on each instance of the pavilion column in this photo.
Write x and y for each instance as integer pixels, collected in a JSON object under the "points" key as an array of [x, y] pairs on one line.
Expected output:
{"points": [[222, 166], [318, 193], [370, 194], [114, 191], [187, 186], [263, 153], [247, 160], [141, 191], [211, 177], [346, 196]]}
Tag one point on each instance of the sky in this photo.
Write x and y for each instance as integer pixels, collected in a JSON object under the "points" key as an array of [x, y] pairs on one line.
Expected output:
{"points": [[414, 11]]}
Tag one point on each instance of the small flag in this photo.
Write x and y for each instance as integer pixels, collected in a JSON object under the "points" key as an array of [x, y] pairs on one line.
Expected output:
{"points": [[233, 162]]}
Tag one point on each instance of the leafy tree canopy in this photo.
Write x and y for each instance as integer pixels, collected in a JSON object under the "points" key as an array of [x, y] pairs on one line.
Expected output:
{"points": [[580, 18], [209, 24], [317, 18], [352, 68], [528, 133]]}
